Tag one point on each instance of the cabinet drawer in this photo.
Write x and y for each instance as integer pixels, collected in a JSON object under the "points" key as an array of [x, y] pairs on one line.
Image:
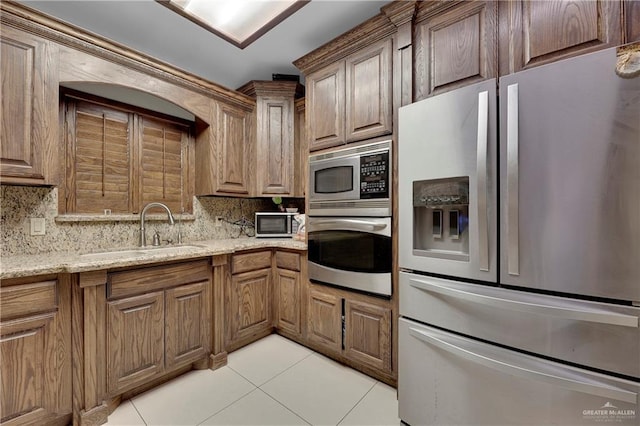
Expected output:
{"points": [[286, 260], [250, 261], [28, 296], [144, 280]]}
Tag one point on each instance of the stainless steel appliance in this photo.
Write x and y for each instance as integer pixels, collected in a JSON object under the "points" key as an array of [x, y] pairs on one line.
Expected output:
{"points": [[351, 252], [542, 326], [353, 181], [275, 224]]}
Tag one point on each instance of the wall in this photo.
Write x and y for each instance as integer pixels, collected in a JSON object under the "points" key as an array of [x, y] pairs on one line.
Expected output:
{"points": [[20, 203]]}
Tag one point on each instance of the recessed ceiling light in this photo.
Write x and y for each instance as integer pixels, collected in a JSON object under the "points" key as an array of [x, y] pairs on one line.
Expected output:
{"points": [[240, 22]]}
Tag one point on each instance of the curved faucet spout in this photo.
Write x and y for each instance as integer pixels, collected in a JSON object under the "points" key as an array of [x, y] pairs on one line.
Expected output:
{"points": [[143, 213]]}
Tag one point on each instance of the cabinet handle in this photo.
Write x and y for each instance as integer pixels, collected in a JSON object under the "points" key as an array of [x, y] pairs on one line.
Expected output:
{"points": [[571, 380]]}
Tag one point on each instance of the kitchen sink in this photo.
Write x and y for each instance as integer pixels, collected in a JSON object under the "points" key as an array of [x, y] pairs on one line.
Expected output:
{"points": [[141, 251]]}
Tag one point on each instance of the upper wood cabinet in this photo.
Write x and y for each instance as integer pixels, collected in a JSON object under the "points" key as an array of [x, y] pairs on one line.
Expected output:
{"points": [[455, 46], [351, 100], [224, 153], [275, 136], [35, 343], [28, 129], [533, 33]]}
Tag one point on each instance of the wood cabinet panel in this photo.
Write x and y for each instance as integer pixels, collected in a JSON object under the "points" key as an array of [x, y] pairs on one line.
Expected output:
{"points": [[369, 92], [28, 109], [135, 341], [244, 262], [324, 325], [288, 316], [301, 149], [275, 145], [368, 334], [35, 349], [326, 107], [233, 150], [187, 323], [250, 307], [455, 48], [144, 280], [632, 20], [288, 260], [538, 32]]}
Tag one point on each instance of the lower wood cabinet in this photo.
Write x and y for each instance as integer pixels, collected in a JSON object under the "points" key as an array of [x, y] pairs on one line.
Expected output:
{"points": [[288, 301], [354, 327], [157, 319], [35, 349], [248, 306]]}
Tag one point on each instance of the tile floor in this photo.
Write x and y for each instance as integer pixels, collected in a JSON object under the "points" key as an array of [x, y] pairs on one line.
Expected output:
{"points": [[273, 381]]}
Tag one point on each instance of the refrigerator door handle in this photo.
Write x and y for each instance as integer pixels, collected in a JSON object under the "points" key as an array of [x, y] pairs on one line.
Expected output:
{"points": [[570, 380], [513, 255], [483, 128], [573, 311]]}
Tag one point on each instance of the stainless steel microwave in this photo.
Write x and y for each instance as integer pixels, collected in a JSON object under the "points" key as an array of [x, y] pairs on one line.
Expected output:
{"points": [[353, 181], [275, 224]]}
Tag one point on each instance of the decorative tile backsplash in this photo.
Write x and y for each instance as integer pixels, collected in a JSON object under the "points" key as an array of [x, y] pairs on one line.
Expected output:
{"points": [[19, 204]]}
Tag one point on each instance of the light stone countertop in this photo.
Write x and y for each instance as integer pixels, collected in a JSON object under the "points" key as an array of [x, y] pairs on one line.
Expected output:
{"points": [[72, 262]]}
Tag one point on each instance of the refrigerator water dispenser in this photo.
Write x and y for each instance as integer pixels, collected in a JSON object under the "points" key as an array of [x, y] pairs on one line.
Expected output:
{"points": [[441, 218]]}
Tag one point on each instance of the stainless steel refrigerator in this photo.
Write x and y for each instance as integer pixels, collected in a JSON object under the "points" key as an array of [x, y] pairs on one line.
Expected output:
{"points": [[519, 221]]}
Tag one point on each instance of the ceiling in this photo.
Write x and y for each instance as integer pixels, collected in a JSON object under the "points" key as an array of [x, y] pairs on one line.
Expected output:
{"points": [[153, 29]]}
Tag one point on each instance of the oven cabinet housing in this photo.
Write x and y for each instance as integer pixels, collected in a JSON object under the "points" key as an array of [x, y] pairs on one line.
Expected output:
{"points": [[353, 327], [158, 319], [288, 306], [448, 379], [35, 345], [350, 100], [249, 313]]}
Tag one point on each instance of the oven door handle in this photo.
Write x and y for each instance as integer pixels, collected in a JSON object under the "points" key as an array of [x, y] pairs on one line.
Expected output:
{"points": [[346, 225]]}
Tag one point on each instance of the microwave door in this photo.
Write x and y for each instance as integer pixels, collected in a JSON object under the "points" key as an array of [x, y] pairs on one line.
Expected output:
{"points": [[335, 179]]}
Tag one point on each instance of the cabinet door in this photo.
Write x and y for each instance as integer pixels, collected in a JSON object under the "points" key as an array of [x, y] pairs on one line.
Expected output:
{"points": [[368, 334], [250, 304], [632, 19], [324, 320], [275, 146], [135, 340], [455, 48], [538, 32], [35, 338], [369, 92], [288, 301], [187, 323], [326, 107], [234, 139], [28, 108]]}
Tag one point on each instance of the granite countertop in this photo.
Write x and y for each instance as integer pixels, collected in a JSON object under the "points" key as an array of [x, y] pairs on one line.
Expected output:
{"points": [[72, 262]]}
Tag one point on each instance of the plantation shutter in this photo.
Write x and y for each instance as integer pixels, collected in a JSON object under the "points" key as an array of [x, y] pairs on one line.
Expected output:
{"points": [[100, 160]]}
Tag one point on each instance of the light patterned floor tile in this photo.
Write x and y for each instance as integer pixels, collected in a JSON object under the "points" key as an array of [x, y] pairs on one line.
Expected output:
{"points": [[192, 398], [257, 408], [379, 407], [266, 358], [125, 415], [319, 390]]}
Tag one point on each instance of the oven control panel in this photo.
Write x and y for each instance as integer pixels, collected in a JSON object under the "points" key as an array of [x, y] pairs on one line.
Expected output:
{"points": [[374, 176]]}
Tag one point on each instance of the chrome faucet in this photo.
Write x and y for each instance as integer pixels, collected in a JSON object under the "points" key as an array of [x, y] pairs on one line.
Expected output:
{"points": [[143, 213]]}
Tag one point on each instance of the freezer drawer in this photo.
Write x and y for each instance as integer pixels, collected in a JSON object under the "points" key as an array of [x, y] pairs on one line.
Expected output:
{"points": [[445, 379], [597, 335]]}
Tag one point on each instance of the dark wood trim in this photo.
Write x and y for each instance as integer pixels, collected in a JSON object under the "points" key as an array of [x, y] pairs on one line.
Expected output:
{"points": [[375, 29]]}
